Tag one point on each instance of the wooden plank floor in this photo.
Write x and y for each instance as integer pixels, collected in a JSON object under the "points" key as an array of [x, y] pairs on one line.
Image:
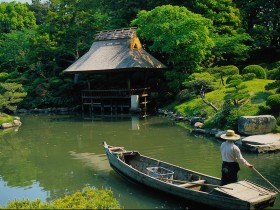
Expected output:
{"points": [[246, 191]]}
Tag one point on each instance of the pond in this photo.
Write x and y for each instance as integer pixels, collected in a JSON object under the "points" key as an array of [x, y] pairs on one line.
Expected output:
{"points": [[53, 155]]}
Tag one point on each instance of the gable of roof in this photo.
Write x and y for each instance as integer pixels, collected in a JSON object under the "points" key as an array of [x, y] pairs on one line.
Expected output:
{"points": [[115, 51]]}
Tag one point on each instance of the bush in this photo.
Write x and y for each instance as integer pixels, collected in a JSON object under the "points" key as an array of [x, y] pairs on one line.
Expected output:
{"points": [[274, 102], [263, 110], [255, 69], [249, 76], [234, 77], [278, 120], [87, 199], [184, 95], [274, 74], [226, 70]]}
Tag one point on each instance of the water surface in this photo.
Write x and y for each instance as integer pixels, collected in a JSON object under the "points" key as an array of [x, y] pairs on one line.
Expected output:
{"points": [[53, 155]]}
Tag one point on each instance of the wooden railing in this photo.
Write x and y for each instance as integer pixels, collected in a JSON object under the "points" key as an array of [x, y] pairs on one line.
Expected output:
{"points": [[116, 93]]}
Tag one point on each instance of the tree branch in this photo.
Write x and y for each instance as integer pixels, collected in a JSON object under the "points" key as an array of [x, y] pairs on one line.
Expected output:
{"points": [[202, 96]]}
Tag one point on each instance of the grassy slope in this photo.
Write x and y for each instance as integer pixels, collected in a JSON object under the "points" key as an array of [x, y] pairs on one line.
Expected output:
{"points": [[4, 118], [196, 106]]}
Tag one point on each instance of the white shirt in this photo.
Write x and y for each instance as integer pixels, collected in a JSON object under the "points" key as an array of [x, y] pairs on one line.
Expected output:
{"points": [[231, 153]]}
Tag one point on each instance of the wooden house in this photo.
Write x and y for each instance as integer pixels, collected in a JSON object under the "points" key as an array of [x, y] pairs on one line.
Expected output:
{"points": [[119, 56]]}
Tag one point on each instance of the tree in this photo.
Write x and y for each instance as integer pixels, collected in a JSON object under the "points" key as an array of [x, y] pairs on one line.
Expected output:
{"points": [[222, 71], [10, 95], [15, 16], [231, 43], [40, 9], [262, 22], [15, 49], [230, 49], [200, 84], [236, 93], [223, 13], [180, 36]]}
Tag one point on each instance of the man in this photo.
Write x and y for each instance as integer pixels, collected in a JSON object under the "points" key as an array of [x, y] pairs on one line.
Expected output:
{"points": [[231, 155]]}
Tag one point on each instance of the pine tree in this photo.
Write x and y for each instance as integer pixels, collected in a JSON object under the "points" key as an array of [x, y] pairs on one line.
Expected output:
{"points": [[10, 95]]}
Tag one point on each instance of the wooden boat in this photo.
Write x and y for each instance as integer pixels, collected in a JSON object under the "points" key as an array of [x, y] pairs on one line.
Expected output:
{"points": [[188, 184]]}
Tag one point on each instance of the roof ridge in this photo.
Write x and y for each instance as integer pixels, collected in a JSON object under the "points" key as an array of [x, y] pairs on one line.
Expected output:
{"points": [[123, 33]]}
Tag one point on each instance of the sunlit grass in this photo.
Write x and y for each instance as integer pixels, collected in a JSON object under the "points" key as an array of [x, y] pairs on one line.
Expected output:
{"points": [[4, 118], [258, 96]]}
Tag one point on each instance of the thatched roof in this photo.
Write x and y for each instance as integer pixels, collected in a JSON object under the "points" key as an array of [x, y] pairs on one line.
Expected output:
{"points": [[117, 50]]}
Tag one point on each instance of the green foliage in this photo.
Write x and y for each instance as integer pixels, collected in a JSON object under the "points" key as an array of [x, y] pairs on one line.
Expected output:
{"points": [[274, 102], [255, 69], [278, 121], [15, 49], [174, 79], [249, 76], [176, 32], [5, 118], [224, 14], [224, 70], [274, 74], [194, 107], [234, 77], [87, 199], [230, 49], [262, 21], [10, 95], [198, 82], [264, 110], [221, 71], [15, 16], [236, 92]]}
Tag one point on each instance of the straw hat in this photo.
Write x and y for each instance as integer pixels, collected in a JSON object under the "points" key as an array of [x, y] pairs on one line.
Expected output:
{"points": [[230, 135]]}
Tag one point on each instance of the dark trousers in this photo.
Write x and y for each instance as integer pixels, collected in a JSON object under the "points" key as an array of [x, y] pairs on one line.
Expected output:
{"points": [[229, 172]]}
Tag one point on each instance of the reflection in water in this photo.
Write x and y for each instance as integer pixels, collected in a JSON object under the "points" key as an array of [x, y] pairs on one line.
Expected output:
{"points": [[98, 162], [135, 122], [51, 156], [33, 192]]}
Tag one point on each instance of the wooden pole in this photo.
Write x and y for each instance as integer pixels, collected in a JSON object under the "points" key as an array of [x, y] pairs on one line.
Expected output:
{"points": [[266, 179]]}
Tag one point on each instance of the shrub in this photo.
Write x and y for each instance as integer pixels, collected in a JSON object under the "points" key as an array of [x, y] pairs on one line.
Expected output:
{"points": [[249, 76], [225, 70], [274, 102], [87, 199], [274, 74], [234, 77], [255, 69], [263, 109], [184, 95], [278, 120]]}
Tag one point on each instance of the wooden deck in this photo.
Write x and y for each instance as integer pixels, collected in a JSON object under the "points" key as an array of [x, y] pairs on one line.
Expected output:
{"points": [[113, 100]]}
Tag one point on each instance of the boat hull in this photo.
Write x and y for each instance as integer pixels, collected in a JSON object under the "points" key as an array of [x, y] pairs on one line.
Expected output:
{"points": [[207, 198]]}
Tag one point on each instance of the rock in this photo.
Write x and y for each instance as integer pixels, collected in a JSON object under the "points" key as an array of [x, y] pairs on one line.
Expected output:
{"points": [[253, 125], [16, 123], [181, 119], [214, 131], [198, 125], [7, 125], [218, 134], [262, 139], [193, 120], [262, 143], [200, 131]]}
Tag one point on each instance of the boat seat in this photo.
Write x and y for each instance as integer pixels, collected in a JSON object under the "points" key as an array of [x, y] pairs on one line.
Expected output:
{"points": [[192, 184], [116, 148]]}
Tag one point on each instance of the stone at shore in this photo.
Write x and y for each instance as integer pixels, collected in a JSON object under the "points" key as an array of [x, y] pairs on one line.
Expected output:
{"points": [[15, 123], [253, 125], [262, 143]]}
